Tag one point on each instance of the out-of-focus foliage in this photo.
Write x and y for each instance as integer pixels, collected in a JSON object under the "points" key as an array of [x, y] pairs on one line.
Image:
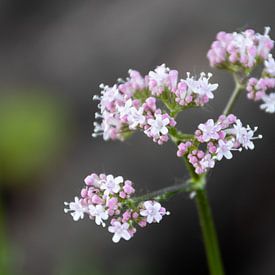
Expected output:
{"points": [[4, 249], [31, 131]]}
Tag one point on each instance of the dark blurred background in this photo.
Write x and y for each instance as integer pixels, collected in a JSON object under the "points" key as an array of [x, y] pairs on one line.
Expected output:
{"points": [[53, 56]]}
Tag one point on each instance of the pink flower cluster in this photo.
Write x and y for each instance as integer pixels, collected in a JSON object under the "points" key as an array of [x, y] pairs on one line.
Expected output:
{"points": [[243, 50], [258, 88], [132, 104], [107, 197], [221, 138], [198, 92]]}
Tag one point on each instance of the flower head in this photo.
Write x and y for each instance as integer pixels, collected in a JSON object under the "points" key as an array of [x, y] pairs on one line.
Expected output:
{"points": [[222, 137], [99, 212], [202, 87], [245, 135], [131, 105], [111, 185], [107, 197], [209, 130], [158, 126], [120, 231], [151, 211], [224, 149], [240, 50], [162, 78], [76, 208]]}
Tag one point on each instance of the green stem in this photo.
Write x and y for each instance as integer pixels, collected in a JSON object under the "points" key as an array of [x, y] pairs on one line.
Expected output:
{"points": [[205, 216], [233, 99], [164, 193], [209, 233]]}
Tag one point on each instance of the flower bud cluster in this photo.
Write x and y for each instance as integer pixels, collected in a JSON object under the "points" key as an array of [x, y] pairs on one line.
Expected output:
{"points": [[240, 50], [107, 197], [215, 141]]}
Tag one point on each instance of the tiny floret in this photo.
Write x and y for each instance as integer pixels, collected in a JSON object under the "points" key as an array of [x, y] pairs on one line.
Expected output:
{"points": [[76, 208], [269, 103], [120, 231], [151, 211]]}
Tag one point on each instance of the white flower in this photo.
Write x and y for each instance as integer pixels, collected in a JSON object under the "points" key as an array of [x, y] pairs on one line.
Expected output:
{"points": [[244, 43], [135, 118], [120, 231], [209, 130], [263, 41], [99, 212], [269, 103], [109, 95], [152, 211], [111, 185], [125, 109], [160, 75], [207, 161], [158, 126], [201, 86], [133, 115], [108, 124], [223, 149], [77, 209], [245, 135], [270, 65]]}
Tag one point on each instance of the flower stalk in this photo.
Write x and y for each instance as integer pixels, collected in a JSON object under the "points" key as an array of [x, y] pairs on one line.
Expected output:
{"points": [[239, 87], [164, 193], [210, 239]]}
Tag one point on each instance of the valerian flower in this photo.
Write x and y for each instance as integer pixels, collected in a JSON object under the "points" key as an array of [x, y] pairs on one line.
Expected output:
{"points": [[269, 103], [120, 231], [107, 197], [221, 138], [132, 104], [152, 211], [240, 51], [76, 209]]}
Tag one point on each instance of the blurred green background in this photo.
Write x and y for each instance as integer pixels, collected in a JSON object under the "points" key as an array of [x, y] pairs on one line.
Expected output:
{"points": [[53, 56], [33, 129]]}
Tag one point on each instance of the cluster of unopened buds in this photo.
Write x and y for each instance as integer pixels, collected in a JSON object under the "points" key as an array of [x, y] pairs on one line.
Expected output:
{"points": [[219, 139], [132, 104], [242, 53], [107, 197]]}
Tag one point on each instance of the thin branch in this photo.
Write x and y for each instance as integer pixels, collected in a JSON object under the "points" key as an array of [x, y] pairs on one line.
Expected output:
{"points": [[164, 193], [234, 96]]}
